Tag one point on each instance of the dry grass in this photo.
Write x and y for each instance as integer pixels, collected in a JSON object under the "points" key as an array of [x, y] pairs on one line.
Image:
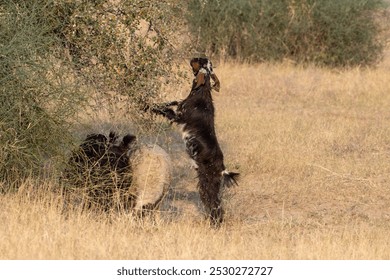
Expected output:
{"points": [[313, 148]]}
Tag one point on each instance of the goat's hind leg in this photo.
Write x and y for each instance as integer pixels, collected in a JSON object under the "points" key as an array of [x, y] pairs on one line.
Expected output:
{"points": [[209, 194], [214, 207]]}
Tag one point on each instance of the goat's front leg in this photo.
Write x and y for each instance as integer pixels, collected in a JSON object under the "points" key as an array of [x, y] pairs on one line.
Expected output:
{"points": [[172, 103], [164, 110]]}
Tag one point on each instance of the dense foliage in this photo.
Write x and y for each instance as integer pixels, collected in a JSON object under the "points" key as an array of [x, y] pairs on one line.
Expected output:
{"points": [[333, 33], [35, 99]]}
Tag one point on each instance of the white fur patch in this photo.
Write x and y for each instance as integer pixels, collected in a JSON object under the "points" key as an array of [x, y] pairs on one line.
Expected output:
{"points": [[210, 66], [203, 71], [185, 135], [151, 175], [194, 165]]}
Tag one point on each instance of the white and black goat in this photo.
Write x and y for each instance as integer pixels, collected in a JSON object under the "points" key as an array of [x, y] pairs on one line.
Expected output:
{"points": [[122, 175]]}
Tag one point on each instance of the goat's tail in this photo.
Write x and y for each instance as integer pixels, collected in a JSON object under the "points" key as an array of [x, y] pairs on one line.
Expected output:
{"points": [[229, 178]]}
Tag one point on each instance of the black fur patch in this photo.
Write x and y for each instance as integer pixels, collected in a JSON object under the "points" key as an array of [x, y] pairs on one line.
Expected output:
{"points": [[101, 166]]}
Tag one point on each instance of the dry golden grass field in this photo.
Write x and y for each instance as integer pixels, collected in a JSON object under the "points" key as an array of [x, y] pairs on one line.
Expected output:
{"points": [[313, 149]]}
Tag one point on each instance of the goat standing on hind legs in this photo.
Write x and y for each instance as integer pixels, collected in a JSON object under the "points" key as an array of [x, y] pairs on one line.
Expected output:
{"points": [[195, 115]]}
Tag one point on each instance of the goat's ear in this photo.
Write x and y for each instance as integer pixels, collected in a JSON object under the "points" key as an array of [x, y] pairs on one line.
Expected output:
{"points": [[112, 136], [128, 139]]}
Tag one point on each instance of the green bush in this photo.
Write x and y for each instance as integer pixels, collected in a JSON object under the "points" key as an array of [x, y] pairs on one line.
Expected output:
{"points": [[53, 52], [324, 32], [36, 101]]}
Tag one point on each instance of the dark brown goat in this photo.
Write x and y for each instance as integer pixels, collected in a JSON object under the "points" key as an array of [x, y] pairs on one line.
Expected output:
{"points": [[195, 115]]}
